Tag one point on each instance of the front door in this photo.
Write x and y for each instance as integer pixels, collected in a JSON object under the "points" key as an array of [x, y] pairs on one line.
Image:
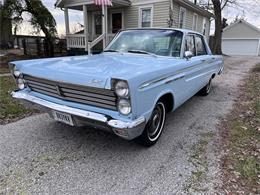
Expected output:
{"points": [[117, 22]]}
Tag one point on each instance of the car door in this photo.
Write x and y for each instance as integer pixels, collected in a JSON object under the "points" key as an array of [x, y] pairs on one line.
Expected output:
{"points": [[205, 71], [194, 68]]}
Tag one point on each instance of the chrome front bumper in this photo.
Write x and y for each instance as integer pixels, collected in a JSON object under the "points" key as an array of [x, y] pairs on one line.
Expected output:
{"points": [[125, 129]]}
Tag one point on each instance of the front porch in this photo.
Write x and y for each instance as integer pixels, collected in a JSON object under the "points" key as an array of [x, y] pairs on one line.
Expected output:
{"points": [[100, 23]]}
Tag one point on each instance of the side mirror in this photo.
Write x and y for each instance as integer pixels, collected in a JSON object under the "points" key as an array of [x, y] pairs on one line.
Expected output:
{"points": [[188, 54]]}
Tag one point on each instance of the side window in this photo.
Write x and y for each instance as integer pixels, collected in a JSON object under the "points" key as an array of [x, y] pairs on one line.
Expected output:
{"points": [[189, 44], [200, 46]]}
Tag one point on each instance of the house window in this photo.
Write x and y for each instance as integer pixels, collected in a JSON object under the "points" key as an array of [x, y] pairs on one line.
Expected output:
{"points": [[204, 26], [182, 17], [145, 17], [195, 22]]}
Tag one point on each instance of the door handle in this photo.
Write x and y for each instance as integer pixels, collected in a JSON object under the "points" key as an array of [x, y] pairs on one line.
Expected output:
{"points": [[203, 60]]}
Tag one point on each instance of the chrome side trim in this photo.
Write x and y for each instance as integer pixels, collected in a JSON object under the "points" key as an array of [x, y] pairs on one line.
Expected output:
{"points": [[168, 79], [181, 71], [174, 78], [126, 125], [61, 108]]}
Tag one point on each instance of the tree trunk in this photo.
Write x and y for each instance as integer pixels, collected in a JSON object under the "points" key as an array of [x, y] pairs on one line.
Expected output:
{"points": [[49, 47], [217, 49], [6, 39]]}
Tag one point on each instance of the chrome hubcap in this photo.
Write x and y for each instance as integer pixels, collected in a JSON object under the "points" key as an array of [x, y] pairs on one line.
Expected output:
{"points": [[156, 122]]}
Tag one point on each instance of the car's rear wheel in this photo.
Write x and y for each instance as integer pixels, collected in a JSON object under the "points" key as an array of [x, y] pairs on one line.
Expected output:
{"points": [[206, 90], [154, 127]]}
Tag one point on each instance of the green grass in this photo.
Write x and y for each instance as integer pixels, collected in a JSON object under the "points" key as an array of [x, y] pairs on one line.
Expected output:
{"points": [[9, 108], [244, 134], [241, 138]]}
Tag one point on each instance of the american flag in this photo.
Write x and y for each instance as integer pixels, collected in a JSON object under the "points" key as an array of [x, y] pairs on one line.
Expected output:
{"points": [[103, 2]]}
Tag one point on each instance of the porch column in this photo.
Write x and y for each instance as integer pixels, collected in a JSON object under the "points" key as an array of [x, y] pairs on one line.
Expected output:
{"points": [[104, 25], [66, 13], [106, 29], [67, 26], [86, 27]]}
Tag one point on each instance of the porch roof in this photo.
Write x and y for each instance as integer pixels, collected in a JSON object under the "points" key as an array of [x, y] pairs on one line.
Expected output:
{"points": [[78, 3]]}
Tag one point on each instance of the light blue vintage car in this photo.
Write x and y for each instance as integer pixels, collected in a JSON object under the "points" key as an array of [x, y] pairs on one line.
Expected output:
{"points": [[128, 89]]}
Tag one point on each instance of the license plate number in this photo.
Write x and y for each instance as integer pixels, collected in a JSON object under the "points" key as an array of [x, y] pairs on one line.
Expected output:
{"points": [[62, 117]]}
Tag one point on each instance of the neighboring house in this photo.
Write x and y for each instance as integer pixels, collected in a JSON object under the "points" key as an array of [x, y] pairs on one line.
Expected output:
{"points": [[131, 14], [241, 38]]}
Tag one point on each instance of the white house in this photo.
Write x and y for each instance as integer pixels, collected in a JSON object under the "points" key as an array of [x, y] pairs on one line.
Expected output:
{"points": [[241, 38], [103, 22]]}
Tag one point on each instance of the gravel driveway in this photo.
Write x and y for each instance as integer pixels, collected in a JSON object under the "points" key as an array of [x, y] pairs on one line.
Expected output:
{"points": [[38, 155]]}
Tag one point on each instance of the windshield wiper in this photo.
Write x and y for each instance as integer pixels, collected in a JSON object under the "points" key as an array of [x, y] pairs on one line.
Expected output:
{"points": [[142, 52], [111, 50]]}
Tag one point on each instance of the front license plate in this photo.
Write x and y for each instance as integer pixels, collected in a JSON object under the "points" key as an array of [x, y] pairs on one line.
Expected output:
{"points": [[62, 117]]}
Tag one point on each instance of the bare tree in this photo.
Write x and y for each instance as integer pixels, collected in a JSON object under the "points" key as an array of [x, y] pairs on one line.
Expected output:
{"points": [[217, 49], [217, 6], [40, 18]]}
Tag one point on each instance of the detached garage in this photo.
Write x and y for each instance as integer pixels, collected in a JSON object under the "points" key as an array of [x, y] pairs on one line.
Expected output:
{"points": [[241, 38]]}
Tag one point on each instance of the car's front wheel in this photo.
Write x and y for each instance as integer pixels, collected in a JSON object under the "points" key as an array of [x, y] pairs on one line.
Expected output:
{"points": [[154, 127]]}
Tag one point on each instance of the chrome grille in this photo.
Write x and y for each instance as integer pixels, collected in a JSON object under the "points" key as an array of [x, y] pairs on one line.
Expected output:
{"points": [[102, 98]]}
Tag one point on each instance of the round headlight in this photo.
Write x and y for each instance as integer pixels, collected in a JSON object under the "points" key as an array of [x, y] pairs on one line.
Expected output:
{"points": [[124, 106], [20, 83], [17, 73], [122, 89]]}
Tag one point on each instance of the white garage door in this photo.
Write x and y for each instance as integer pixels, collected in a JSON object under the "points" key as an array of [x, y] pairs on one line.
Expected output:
{"points": [[240, 46]]}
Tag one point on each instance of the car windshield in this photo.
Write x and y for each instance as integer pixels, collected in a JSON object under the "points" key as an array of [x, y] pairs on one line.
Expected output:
{"points": [[158, 42]]}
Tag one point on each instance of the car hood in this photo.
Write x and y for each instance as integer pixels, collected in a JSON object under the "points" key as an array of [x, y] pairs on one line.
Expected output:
{"points": [[94, 70]]}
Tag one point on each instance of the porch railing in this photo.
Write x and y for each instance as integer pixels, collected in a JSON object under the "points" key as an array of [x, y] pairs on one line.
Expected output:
{"points": [[76, 41], [79, 41]]}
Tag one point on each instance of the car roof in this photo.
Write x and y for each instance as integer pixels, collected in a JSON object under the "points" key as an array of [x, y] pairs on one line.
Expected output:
{"points": [[177, 29]]}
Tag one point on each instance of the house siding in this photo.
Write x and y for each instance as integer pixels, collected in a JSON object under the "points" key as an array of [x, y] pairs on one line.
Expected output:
{"points": [[160, 14], [176, 12], [200, 24], [131, 17]]}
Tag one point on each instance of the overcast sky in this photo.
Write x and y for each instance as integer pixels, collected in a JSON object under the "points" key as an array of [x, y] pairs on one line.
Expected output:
{"points": [[250, 9]]}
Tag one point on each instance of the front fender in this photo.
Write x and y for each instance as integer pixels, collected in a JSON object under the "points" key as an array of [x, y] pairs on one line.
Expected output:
{"points": [[148, 99]]}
